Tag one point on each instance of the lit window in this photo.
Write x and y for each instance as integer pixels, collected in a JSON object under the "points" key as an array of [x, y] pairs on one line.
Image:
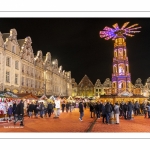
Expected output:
{"points": [[27, 69], [16, 78], [7, 76], [22, 80], [16, 65], [29, 82], [22, 68], [26, 82], [31, 71], [13, 49], [8, 61]]}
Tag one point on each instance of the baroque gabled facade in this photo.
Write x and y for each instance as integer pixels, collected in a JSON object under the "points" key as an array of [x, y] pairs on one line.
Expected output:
{"points": [[86, 87], [24, 72], [99, 89], [74, 88]]}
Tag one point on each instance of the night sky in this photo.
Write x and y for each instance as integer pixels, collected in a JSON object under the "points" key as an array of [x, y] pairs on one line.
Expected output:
{"points": [[75, 42]]}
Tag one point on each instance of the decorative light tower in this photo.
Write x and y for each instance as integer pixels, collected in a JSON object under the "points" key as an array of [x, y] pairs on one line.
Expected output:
{"points": [[121, 78]]}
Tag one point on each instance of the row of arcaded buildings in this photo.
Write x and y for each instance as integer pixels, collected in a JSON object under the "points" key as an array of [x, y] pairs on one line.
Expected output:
{"points": [[22, 71]]}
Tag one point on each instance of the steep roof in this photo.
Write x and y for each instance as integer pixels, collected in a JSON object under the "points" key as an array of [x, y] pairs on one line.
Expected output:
{"points": [[85, 81], [27, 96], [21, 42]]}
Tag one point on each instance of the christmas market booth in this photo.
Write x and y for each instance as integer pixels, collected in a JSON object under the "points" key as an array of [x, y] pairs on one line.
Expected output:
{"points": [[43, 99], [27, 98], [115, 98], [52, 97], [70, 99], [6, 99]]}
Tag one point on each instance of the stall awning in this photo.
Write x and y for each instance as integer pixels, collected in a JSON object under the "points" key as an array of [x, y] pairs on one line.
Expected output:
{"points": [[27, 96]]}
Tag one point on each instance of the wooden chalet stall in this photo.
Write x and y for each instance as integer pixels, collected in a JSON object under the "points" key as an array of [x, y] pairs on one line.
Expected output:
{"points": [[115, 98], [27, 99]]}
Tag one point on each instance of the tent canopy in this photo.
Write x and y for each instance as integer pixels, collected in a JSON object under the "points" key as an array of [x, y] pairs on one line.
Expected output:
{"points": [[43, 97], [52, 97], [70, 98], [8, 94]]}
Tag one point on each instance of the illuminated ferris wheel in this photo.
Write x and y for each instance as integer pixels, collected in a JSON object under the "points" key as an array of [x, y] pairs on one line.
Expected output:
{"points": [[114, 32]]}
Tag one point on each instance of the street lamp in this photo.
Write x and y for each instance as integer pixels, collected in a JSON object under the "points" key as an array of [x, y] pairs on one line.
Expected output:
{"points": [[53, 63]]}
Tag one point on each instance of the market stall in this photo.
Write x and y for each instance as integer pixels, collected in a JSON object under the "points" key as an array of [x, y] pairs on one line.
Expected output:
{"points": [[27, 99], [6, 99], [70, 99], [43, 99], [52, 97]]}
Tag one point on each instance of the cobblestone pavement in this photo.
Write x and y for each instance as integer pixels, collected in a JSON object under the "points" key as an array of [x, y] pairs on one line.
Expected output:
{"points": [[69, 122]]}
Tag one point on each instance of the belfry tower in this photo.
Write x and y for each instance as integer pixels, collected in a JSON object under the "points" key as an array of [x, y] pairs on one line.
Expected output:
{"points": [[121, 77]]}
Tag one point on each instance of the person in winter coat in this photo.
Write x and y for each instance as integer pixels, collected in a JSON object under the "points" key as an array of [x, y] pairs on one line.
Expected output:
{"points": [[103, 113], [148, 109], [31, 109], [81, 110], [125, 110], [14, 108], [20, 108], [63, 106], [42, 108], [84, 105], [142, 107], [92, 109], [145, 110], [108, 110], [116, 112], [98, 109], [130, 108], [136, 108], [36, 109], [50, 108], [20, 113], [10, 111], [28, 109], [121, 109], [67, 107]]}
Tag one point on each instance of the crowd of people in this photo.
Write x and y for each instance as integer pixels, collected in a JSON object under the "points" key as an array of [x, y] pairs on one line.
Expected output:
{"points": [[124, 110], [98, 109], [16, 112], [39, 109]]}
